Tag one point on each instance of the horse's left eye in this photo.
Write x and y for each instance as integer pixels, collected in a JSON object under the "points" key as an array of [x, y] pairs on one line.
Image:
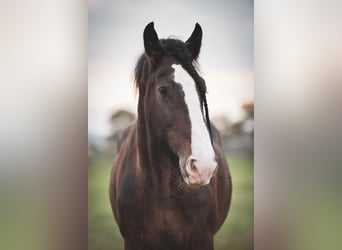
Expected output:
{"points": [[162, 91]]}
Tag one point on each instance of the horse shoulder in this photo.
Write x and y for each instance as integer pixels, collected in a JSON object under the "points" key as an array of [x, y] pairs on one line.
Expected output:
{"points": [[123, 188], [222, 183]]}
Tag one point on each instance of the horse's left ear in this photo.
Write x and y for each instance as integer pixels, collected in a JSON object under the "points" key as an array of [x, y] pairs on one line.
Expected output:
{"points": [[194, 42]]}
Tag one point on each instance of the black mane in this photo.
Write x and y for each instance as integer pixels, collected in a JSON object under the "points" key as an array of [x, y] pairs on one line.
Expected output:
{"points": [[172, 48]]}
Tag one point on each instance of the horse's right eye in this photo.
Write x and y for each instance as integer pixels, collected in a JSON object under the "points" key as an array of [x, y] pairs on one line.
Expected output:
{"points": [[162, 91]]}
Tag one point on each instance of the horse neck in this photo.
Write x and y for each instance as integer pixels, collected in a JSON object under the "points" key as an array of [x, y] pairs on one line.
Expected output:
{"points": [[154, 154], [158, 164]]}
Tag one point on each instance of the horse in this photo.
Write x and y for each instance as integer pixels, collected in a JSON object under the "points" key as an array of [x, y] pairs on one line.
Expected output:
{"points": [[170, 185]]}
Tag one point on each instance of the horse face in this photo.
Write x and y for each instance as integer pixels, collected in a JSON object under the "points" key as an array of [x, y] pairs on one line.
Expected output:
{"points": [[175, 110]]}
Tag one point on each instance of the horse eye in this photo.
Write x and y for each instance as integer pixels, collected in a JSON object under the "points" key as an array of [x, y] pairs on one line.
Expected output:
{"points": [[162, 91]]}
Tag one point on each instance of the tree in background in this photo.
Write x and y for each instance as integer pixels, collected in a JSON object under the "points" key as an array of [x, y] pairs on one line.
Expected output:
{"points": [[248, 125], [119, 120], [237, 137]]}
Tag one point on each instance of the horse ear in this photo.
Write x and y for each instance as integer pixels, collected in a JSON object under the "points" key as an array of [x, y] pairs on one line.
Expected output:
{"points": [[152, 45], [194, 42]]}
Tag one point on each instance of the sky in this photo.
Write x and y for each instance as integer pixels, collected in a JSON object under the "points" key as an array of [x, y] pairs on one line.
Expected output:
{"points": [[115, 41]]}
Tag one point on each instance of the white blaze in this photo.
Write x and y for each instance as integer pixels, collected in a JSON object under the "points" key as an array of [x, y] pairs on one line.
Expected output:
{"points": [[201, 147]]}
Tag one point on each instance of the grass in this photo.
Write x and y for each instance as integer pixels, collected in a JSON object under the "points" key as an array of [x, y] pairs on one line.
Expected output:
{"points": [[236, 233]]}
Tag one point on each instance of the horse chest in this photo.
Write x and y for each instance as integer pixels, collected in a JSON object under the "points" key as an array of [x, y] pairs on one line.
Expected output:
{"points": [[175, 221], [164, 220], [174, 218]]}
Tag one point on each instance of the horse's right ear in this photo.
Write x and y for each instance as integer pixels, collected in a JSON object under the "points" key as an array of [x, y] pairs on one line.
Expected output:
{"points": [[153, 48], [194, 42]]}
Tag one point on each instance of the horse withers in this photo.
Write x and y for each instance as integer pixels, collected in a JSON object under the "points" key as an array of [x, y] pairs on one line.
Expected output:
{"points": [[170, 185]]}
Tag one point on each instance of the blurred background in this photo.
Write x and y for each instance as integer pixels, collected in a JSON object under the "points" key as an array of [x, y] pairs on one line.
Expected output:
{"points": [[44, 114], [226, 60]]}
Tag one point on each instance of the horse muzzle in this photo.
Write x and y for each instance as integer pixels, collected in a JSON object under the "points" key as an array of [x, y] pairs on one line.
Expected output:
{"points": [[199, 171]]}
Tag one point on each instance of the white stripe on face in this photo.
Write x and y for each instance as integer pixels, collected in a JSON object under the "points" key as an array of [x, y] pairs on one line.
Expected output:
{"points": [[201, 147]]}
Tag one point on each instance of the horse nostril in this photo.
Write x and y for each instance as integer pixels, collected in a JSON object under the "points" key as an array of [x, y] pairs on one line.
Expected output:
{"points": [[215, 159], [192, 165]]}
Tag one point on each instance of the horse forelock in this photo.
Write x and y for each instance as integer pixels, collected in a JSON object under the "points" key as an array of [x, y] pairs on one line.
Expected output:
{"points": [[172, 48]]}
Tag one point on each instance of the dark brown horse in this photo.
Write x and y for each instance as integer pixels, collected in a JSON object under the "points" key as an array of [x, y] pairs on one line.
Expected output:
{"points": [[170, 186]]}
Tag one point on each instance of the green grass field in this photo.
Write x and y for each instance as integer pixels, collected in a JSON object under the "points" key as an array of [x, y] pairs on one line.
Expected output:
{"points": [[236, 233]]}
